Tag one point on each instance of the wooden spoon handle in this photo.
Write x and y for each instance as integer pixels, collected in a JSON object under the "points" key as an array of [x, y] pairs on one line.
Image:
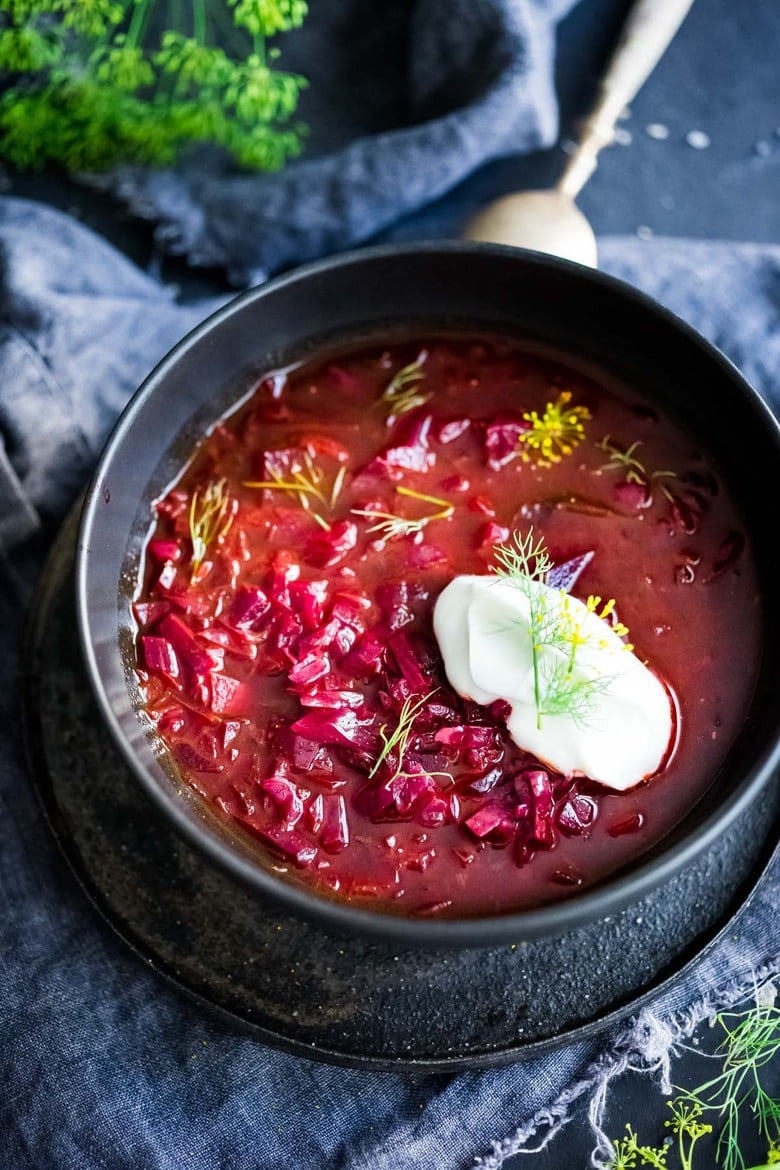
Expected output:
{"points": [[644, 38]]}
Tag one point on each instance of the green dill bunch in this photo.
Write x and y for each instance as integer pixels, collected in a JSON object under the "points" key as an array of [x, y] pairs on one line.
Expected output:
{"points": [[91, 84]]}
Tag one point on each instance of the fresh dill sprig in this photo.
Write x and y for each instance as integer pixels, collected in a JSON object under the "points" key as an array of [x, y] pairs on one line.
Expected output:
{"points": [[553, 624], [751, 1044], [398, 740], [403, 392], [209, 520], [634, 470], [553, 433], [91, 86], [305, 483], [390, 524]]}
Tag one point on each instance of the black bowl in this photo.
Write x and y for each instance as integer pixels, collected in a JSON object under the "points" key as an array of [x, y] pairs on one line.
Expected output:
{"points": [[379, 292]]}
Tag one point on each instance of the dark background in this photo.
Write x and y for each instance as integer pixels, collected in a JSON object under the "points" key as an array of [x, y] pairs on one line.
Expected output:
{"points": [[721, 78]]}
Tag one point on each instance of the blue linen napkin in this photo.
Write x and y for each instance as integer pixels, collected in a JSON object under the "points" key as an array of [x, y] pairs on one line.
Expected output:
{"points": [[104, 1066], [405, 101]]}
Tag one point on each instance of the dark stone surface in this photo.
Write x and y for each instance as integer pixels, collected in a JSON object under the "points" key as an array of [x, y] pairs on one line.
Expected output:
{"points": [[311, 991]]}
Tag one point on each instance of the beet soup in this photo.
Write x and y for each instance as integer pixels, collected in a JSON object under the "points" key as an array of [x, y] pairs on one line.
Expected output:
{"points": [[286, 652]]}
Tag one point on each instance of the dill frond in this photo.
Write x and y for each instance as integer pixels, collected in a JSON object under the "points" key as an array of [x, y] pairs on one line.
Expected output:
{"points": [[209, 520], [553, 624], [398, 740], [306, 483], [403, 393], [390, 525]]}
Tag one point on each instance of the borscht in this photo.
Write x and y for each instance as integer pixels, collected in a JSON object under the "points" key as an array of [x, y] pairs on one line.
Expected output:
{"points": [[446, 625]]}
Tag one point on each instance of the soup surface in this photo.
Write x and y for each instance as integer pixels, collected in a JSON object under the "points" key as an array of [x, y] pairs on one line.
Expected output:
{"points": [[286, 653]]}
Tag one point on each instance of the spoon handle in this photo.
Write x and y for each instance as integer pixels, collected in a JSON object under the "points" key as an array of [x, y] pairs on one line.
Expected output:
{"points": [[644, 38]]}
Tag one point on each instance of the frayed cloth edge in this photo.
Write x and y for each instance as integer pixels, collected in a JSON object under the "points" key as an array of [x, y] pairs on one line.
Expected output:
{"points": [[647, 1045]]}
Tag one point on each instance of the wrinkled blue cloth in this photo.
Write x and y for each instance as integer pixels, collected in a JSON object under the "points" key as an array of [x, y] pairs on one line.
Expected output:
{"points": [[406, 100], [102, 1065]]}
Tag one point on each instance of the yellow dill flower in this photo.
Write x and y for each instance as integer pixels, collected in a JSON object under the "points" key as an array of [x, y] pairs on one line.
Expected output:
{"points": [[554, 433], [605, 613]]}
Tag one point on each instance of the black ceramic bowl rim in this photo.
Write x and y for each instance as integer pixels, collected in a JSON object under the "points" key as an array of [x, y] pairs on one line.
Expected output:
{"points": [[611, 895]]}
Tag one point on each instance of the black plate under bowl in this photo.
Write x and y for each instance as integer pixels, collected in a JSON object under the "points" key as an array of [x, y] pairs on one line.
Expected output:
{"points": [[336, 998]]}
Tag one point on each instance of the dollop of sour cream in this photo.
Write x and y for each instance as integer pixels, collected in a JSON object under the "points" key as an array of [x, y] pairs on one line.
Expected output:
{"points": [[483, 624]]}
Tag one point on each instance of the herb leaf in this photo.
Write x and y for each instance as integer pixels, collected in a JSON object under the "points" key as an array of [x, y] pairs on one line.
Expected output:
{"points": [[524, 563], [209, 520], [92, 91]]}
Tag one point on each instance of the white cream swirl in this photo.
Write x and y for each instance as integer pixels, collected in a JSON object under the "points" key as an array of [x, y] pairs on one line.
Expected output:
{"points": [[482, 625]]}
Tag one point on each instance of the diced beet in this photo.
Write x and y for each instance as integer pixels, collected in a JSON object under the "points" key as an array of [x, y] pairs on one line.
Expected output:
{"points": [[289, 843], [410, 661], [344, 640], [315, 813], [577, 815], [409, 792], [466, 737], [286, 629], [500, 710], [434, 812], [449, 429], [425, 556], [159, 656], [335, 727], [487, 782], [332, 699], [190, 757], [225, 694], [249, 606], [146, 613], [305, 755], [188, 649], [486, 819], [502, 434], [286, 798], [368, 654], [629, 824], [542, 829], [409, 449], [308, 599], [376, 802], [350, 609], [396, 600], [309, 670], [492, 534], [165, 550], [321, 639], [168, 576], [566, 575], [173, 721], [326, 549], [334, 835]]}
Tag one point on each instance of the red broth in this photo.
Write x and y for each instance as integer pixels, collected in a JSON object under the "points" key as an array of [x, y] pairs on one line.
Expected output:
{"points": [[285, 630]]}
